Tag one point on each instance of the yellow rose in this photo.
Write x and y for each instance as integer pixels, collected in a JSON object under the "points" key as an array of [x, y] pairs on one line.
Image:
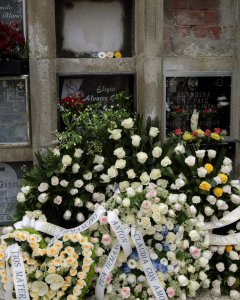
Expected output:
{"points": [[218, 192], [223, 177], [215, 136], [204, 185], [228, 248], [117, 54], [209, 168], [200, 132], [187, 136]]}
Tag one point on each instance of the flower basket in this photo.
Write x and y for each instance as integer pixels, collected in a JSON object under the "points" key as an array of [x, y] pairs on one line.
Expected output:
{"points": [[14, 67]]}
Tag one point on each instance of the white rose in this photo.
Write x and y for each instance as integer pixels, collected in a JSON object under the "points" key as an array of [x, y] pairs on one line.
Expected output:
{"points": [[80, 217], [105, 178], [131, 174], [163, 208], [200, 153], [78, 153], [206, 284], [126, 202], [119, 152], [193, 210], [235, 295], [183, 281], [235, 199], [130, 192], [166, 161], [123, 185], [112, 172], [78, 202], [216, 284], [75, 168], [226, 169], [99, 251], [233, 268], [231, 280], [227, 161], [196, 199], [156, 152], [182, 198], [57, 200], [193, 285], [43, 187], [179, 149], [43, 197], [217, 179], [98, 160], [172, 198], [136, 139], [99, 197], [66, 160], [220, 267], [190, 160], [155, 174], [179, 183], [221, 250], [78, 183], [120, 163], [142, 157], [21, 197], [211, 199], [227, 189], [98, 168], [127, 123], [202, 172], [87, 176], [233, 255], [131, 278], [90, 206], [194, 235], [145, 179], [203, 262], [64, 183], [222, 205], [202, 276], [191, 269], [89, 188], [56, 151], [67, 215], [211, 153], [26, 189], [54, 181], [153, 131], [116, 134], [208, 211], [73, 192]]}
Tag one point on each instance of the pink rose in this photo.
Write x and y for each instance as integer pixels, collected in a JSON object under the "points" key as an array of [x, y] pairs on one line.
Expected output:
{"points": [[138, 288], [104, 220], [106, 239], [151, 194], [195, 252], [109, 279], [94, 240], [146, 204], [170, 292], [125, 292]]}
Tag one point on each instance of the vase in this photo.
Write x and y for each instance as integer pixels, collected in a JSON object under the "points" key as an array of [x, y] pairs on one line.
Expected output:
{"points": [[14, 67]]}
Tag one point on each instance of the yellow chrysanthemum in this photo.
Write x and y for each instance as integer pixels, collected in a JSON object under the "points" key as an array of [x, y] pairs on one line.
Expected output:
{"points": [[205, 186], [228, 248], [224, 177], [187, 136], [209, 168], [218, 192], [215, 136]]}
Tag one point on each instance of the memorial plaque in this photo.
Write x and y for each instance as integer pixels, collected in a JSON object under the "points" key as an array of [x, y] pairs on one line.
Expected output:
{"points": [[13, 11], [95, 88], [10, 174], [14, 118], [210, 96]]}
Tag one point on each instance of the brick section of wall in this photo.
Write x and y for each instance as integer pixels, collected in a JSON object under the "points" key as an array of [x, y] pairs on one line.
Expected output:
{"points": [[199, 25]]}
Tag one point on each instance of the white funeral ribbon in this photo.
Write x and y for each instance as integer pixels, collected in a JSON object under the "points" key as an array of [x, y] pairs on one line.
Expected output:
{"points": [[223, 240], [88, 223], [148, 267], [19, 275], [38, 225], [9, 284], [230, 218]]}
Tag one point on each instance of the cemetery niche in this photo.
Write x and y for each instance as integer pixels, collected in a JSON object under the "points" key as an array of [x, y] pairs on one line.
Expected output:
{"points": [[210, 96], [87, 27], [14, 115]]}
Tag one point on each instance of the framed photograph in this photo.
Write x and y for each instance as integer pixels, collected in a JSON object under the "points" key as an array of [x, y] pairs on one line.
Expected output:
{"points": [[14, 111], [14, 11], [210, 94]]}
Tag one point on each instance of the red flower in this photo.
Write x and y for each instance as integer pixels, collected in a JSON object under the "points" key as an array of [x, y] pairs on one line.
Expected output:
{"points": [[178, 131], [195, 133], [217, 130], [179, 110], [207, 132]]}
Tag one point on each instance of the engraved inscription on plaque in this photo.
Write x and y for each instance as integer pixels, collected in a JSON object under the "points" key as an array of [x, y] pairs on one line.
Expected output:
{"points": [[8, 191]]}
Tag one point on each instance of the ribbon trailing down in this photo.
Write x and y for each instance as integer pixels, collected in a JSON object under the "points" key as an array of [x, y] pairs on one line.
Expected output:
{"points": [[19, 275], [9, 284], [88, 223], [148, 267]]}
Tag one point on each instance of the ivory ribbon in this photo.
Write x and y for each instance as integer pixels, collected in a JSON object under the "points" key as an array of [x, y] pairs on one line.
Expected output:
{"points": [[148, 267], [88, 223], [19, 275]]}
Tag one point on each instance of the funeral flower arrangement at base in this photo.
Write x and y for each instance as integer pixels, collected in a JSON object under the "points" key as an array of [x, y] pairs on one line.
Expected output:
{"points": [[171, 193]]}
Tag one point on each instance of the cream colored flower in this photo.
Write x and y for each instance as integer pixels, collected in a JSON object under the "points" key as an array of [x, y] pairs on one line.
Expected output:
{"points": [[56, 281]]}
